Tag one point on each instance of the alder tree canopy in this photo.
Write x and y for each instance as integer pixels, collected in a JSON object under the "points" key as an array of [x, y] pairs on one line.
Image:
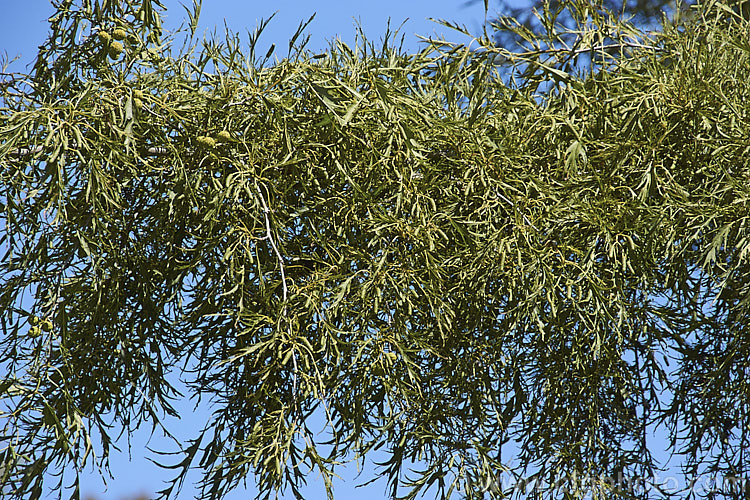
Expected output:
{"points": [[468, 261]]}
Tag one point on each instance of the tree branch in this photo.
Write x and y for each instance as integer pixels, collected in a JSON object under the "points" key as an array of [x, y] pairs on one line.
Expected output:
{"points": [[22, 152]]}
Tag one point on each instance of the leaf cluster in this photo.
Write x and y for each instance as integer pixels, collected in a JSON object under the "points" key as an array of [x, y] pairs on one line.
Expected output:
{"points": [[435, 261]]}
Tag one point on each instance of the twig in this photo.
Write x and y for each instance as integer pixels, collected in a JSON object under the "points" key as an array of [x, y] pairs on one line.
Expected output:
{"points": [[269, 237], [21, 152], [525, 219], [280, 258], [634, 45], [506, 55]]}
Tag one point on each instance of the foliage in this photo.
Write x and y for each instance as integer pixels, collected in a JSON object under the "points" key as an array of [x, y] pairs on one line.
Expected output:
{"points": [[434, 260], [534, 15]]}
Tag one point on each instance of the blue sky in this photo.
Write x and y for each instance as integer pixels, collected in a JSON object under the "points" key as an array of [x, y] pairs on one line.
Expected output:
{"points": [[23, 27]]}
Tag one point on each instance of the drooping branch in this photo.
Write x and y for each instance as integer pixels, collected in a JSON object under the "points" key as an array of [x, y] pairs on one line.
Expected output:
{"points": [[24, 152]]}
